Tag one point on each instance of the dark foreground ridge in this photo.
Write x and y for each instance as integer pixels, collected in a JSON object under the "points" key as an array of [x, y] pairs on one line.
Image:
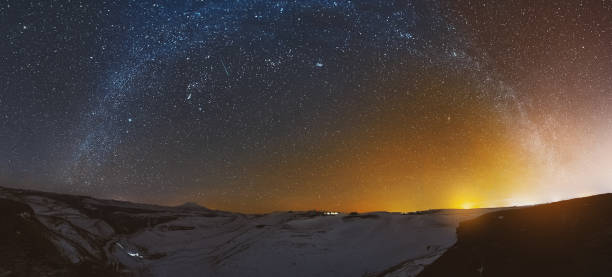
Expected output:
{"points": [[44, 242], [567, 238], [26, 247]]}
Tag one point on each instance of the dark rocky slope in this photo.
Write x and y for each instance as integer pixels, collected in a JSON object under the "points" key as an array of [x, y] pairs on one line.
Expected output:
{"points": [[49, 234], [567, 238], [26, 248]]}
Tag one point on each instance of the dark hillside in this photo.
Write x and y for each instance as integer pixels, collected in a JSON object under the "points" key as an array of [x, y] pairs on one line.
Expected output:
{"points": [[26, 249], [567, 238]]}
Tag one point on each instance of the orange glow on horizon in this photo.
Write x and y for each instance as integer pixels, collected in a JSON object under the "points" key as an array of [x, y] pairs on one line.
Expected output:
{"points": [[478, 161]]}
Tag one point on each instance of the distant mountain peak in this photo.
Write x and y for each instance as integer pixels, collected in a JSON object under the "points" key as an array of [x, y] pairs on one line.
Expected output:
{"points": [[192, 206]]}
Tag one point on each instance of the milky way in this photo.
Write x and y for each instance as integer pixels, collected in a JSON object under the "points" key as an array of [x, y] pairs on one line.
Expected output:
{"points": [[267, 105]]}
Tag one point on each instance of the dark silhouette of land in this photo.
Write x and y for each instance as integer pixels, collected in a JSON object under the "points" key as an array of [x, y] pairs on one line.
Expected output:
{"points": [[567, 238], [26, 248]]}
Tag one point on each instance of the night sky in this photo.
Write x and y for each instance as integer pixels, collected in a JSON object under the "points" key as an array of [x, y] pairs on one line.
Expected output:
{"points": [[256, 106]]}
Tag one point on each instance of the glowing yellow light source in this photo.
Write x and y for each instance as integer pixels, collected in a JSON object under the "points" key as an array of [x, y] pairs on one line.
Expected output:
{"points": [[467, 205]]}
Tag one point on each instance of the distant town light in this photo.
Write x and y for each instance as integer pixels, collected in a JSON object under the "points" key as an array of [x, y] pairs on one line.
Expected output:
{"points": [[135, 254]]}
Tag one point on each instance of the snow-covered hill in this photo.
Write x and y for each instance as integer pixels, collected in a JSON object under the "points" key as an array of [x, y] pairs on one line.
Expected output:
{"points": [[106, 237]]}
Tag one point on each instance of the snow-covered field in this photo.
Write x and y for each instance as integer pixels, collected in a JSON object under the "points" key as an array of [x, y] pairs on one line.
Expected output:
{"points": [[192, 241]]}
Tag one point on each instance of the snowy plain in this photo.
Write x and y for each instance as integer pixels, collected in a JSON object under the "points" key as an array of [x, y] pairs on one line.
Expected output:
{"points": [[195, 241]]}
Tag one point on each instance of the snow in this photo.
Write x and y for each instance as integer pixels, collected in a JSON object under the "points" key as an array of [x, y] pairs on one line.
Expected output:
{"points": [[67, 249], [202, 242], [285, 244], [67, 224]]}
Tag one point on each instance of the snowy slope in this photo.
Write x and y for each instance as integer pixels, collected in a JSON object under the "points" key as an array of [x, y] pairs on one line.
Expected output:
{"points": [[148, 240]]}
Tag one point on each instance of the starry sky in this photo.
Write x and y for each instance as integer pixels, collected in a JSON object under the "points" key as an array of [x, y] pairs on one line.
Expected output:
{"points": [[257, 106]]}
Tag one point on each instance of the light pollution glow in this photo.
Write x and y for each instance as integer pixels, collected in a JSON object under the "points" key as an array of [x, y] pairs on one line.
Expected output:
{"points": [[468, 160]]}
